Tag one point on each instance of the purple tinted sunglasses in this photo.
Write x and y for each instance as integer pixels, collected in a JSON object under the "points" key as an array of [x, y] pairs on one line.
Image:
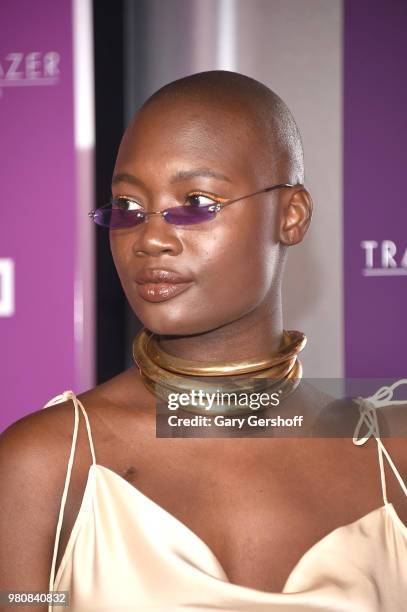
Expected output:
{"points": [[116, 214]]}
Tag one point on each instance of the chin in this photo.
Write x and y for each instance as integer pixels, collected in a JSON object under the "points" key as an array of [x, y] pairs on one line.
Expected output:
{"points": [[167, 322], [182, 317], [163, 327]]}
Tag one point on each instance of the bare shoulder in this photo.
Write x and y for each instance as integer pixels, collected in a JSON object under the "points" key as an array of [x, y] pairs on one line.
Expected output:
{"points": [[33, 453], [34, 443], [37, 446], [392, 422]]}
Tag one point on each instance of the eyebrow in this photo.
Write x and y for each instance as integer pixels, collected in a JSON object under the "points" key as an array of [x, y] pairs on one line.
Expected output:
{"points": [[123, 177], [181, 175]]}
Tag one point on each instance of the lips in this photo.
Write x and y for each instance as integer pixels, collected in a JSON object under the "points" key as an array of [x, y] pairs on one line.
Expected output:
{"points": [[158, 285]]}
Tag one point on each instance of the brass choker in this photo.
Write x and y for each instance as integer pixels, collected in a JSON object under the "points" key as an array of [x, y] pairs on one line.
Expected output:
{"points": [[163, 373]]}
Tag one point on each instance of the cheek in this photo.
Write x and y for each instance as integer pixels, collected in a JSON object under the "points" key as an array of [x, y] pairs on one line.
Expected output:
{"points": [[121, 250], [239, 268]]}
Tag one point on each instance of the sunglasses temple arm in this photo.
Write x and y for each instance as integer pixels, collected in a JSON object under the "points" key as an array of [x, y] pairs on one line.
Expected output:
{"points": [[272, 188]]}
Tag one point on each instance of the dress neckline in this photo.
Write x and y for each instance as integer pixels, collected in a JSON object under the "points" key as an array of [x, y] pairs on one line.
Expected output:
{"points": [[96, 468]]}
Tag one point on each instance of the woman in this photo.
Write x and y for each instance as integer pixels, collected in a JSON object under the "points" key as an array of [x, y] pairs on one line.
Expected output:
{"points": [[198, 523]]}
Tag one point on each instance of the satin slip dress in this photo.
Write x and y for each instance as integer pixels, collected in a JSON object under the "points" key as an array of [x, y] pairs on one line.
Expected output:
{"points": [[126, 553]]}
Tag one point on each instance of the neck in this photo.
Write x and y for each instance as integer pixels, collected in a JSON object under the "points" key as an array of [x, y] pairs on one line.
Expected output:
{"points": [[257, 334]]}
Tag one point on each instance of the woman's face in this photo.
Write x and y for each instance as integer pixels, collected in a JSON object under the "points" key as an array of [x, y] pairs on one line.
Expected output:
{"points": [[231, 263]]}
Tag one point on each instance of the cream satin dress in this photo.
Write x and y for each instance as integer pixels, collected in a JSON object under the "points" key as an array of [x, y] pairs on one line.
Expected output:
{"points": [[126, 553]]}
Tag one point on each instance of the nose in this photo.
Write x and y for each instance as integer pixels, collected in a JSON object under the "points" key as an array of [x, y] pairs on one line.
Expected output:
{"points": [[156, 237]]}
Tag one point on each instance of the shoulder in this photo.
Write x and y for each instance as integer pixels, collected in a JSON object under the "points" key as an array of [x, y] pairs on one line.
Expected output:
{"points": [[37, 446], [36, 429], [392, 421], [34, 453], [34, 456], [34, 448], [392, 428], [33, 462], [392, 425]]}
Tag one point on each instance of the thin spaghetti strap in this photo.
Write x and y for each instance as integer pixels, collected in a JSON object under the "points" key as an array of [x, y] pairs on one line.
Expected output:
{"points": [[56, 400], [79, 403], [367, 409]]}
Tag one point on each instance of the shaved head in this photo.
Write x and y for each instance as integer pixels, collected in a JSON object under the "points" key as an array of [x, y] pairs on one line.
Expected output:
{"points": [[250, 108], [202, 140]]}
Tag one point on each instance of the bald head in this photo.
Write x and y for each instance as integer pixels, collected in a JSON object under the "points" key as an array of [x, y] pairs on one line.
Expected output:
{"points": [[207, 139], [248, 107]]}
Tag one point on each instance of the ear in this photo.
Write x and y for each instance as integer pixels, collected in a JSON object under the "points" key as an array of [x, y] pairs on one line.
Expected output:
{"points": [[296, 213]]}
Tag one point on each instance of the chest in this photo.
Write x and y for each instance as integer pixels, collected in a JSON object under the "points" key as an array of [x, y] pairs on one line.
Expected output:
{"points": [[256, 517], [257, 512]]}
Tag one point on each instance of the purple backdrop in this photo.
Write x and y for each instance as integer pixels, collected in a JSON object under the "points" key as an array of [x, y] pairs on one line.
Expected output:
{"points": [[375, 209], [38, 207], [38, 233]]}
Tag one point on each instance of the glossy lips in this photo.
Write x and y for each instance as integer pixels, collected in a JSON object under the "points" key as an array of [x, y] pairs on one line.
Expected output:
{"points": [[158, 285]]}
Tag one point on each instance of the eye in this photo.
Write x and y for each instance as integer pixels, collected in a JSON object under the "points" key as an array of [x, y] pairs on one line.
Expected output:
{"points": [[123, 203], [200, 199]]}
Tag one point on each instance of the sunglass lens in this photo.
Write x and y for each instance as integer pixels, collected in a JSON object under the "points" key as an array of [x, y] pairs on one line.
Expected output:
{"points": [[117, 217], [189, 215]]}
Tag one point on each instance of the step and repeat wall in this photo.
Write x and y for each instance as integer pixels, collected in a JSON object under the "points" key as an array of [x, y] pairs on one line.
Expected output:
{"points": [[374, 207], [45, 260], [340, 67]]}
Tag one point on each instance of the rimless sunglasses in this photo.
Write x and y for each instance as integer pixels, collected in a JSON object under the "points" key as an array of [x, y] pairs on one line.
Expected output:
{"points": [[123, 211]]}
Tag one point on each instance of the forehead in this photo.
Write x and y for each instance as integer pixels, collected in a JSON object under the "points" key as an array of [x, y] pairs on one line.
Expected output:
{"points": [[191, 134]]}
